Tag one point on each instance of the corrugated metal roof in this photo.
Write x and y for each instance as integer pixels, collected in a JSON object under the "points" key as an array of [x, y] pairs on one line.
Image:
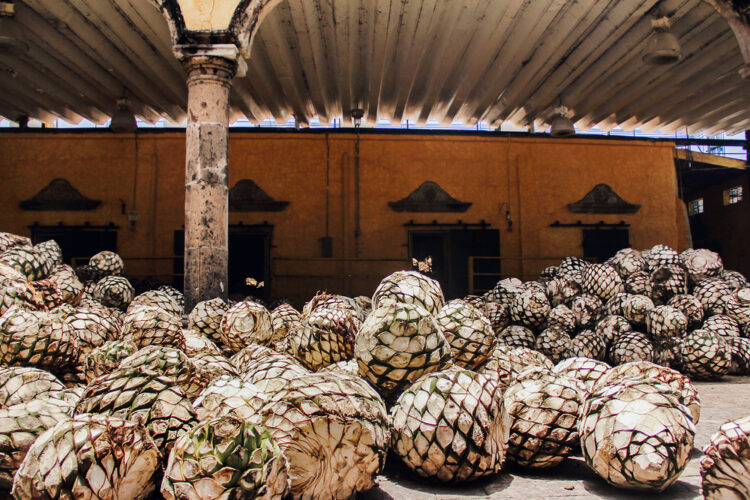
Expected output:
{"points": [[466, 60]]}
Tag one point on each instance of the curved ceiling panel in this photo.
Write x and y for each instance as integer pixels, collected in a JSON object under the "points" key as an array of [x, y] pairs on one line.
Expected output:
{"points": [[444, 60]]}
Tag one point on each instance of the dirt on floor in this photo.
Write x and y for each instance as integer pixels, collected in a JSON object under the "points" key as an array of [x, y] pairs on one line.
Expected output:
{"points": [[721, 401]]}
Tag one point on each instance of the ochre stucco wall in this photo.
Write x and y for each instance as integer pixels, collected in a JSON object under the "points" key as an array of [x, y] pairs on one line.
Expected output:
{"points": [[534, 178]]}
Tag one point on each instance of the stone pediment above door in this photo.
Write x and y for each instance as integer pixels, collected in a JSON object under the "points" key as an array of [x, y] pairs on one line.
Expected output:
{"points": [[602, 199], [59, 194], [247, 196], [429, 197]]}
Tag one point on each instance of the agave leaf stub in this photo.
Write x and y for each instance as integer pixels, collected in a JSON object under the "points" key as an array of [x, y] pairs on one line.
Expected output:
{"points": [[639, 371], [636, 436], [148, 325], [725, 465], [35, 338], [409, 287], [206, 318], [451, 425], [468, 332], [230, 395], [114, 291], [20, 425], [244, 323], [324, 336], [588, 371], [333, 429], [543, 410], [705, 355], [397, 344], [265, 368], [156, 298], [89, 456], [19, 385], [152, 400], [106, 358], [507, 363], [225, 457], [106, 263]]}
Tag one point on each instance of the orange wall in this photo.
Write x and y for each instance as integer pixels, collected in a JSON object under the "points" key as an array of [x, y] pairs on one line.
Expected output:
{"points": [[535, 178]]}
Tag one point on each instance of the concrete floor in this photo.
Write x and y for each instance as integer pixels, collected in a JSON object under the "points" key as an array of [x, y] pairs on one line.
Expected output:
{"points": [[721, 401]]}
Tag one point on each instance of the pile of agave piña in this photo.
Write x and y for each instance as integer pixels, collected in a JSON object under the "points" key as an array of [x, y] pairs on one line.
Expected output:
{"points": [[104, 394]]}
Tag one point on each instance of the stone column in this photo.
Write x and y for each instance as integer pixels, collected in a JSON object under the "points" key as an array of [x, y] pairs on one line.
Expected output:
{"points": [[210, 74]]}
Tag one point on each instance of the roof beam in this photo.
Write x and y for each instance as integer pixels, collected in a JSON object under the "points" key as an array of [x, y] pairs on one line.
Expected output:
{"points": [[19, 108], [88, 38], [29, 98], [311, 52], [34, 77], [621, 75], [632, 86], [559, 41], [607, 43], [116, 26], [415, 31], [287, 73], [739, 23], [472, 60]]}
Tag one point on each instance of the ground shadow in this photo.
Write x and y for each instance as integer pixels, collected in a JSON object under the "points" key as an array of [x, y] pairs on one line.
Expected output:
{"points": [[679, 490], [374, 494], [595, 485], [398, 473]]}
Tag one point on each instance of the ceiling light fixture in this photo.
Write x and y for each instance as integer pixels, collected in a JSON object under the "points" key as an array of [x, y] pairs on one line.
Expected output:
{"points": [[663, 47], [123, 120], [562, 125], [357, 114]]}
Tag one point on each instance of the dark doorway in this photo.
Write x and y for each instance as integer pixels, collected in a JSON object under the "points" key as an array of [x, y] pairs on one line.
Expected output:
{"points": [[450, 250], [76, 242], [249, 257], [701, 233], [601, 244]]}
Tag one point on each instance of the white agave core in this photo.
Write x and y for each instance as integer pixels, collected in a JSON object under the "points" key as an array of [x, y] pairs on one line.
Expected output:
{"points": [[614, 440], [448, 413]]}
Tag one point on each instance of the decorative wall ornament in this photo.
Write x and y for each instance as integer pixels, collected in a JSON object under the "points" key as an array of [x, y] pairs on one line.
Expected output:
{"points": [[59, 195], [602, 200], [247, 196], [429, 197]]}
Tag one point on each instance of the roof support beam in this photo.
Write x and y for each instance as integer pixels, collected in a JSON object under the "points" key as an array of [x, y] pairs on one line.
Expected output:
{"points": [[740, 24], [499, 61], [88, 38]]}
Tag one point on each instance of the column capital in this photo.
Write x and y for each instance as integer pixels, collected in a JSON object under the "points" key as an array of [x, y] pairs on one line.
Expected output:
{"points": [[214, 62]]}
